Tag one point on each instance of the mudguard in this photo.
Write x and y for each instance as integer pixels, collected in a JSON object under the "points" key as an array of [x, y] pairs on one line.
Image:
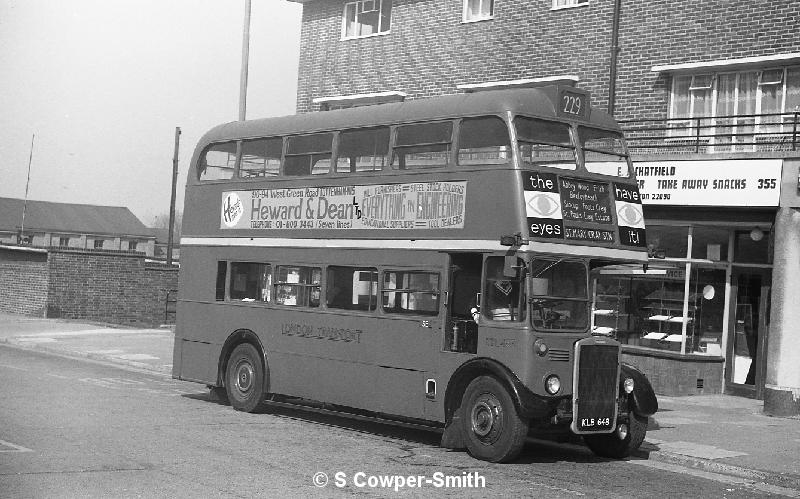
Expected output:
{"points": [[643, 399]]}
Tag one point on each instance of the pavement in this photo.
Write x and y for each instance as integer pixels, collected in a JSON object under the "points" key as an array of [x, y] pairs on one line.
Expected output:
{"points": [[708, 435]]}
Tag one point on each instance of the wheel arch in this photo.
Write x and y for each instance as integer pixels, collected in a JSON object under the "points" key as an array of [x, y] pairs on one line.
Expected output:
{"points": [[643, 398], [526, 402], [235, 339]]}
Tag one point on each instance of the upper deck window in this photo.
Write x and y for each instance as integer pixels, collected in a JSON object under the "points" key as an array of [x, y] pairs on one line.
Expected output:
{"points": [[363, 150], [423, 145], [366, 17], [261, 157], [604, 151], [217, 162], [544, 143], [483, 141], [308, 154]]}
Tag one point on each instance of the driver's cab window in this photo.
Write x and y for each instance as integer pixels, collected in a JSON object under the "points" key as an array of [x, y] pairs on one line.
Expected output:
{"points": [[559, 294], [504, 296]]}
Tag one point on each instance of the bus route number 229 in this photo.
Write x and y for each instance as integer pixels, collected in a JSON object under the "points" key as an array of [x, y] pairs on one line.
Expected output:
{"points": [[572, 104]]}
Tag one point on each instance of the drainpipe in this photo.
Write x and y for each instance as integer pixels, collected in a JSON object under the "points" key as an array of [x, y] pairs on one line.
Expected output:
{"points": [[612, 77]]}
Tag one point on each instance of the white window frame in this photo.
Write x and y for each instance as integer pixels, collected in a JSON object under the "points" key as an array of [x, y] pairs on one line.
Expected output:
{"points": [[568, 4], [479, 17], [714, 90], [360, 6]]}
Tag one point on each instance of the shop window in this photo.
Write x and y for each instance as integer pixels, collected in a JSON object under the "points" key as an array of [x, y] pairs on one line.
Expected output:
{"points": [[250, 282], [477, 10], [364, 150], [542, 143], [483, 141], [411, 292], [298, 286], [752, 246], [707, 295], [664, 241], [709, 243], [261, 157], [424, 145], [366, 17], [352, 288], [217, 162], [308, 154]]}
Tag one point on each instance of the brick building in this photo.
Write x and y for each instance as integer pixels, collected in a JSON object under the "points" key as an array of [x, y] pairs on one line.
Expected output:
{"points": [[709, 95]]}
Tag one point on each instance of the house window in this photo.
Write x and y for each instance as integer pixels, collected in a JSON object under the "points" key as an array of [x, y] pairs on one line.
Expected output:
{"points": [[736, 110], [63, 241], [366, 17], [132, 245], [477, 10], [98, 243], [563, 4]]}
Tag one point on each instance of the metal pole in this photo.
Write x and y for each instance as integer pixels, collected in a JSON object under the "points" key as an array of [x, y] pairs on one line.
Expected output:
{"points": [[27, 184], [245, 59], [172, 198], [612, 77]]}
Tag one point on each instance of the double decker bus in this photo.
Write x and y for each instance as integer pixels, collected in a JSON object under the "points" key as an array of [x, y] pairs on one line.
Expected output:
{"points": [[427, 261]]}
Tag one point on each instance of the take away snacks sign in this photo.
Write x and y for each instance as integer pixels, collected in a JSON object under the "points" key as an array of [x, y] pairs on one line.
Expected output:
{"points": [[419, 205]]}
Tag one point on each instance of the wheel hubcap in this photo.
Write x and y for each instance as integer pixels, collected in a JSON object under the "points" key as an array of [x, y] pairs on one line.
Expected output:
{"points": [[486, 416], [244, 377]]}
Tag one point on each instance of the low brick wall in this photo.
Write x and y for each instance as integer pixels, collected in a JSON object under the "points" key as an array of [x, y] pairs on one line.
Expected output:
{"points": [[116, 287], [23, 282], [673, 374]]}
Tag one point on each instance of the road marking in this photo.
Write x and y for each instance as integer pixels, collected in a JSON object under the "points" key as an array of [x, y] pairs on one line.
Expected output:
{"points": [[14, 447], [136, 356], [27, 339]]}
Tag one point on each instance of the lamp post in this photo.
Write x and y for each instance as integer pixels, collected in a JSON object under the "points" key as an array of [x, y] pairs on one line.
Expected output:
{"points": [[245, 59]]}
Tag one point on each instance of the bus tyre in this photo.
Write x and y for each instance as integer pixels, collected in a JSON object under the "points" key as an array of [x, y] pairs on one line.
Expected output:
{"points": [[244, 378], [610, 445], [493, 431]]}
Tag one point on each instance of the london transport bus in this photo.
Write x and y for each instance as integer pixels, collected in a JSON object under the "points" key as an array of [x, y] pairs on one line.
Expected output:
{"points": [[426, 262]]}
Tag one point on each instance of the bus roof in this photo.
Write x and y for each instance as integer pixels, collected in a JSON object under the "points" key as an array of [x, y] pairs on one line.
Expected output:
{"points": [[537, 102]]}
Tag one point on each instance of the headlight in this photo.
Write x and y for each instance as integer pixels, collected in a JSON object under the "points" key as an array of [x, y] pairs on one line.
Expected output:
{"points": [[628, 385], [540, 348], [552, 384]]}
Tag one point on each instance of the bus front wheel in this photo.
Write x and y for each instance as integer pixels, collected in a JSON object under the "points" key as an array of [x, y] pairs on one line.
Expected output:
{"points": [[610, 445], [493, 429], [245, 378]]}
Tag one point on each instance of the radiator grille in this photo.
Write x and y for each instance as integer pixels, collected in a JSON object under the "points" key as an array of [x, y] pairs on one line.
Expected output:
{"points": [[596, 388]]}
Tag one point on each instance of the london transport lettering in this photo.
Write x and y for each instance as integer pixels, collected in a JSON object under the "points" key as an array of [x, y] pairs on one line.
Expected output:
{"points": [[553, 203], [421, 205]]}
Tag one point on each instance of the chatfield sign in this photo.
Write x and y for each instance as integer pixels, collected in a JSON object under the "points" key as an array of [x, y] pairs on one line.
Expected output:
{"points": [[752, 182], [419, 205]]}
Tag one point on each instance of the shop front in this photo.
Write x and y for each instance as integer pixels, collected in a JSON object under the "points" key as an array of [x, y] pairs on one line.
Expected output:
{"points": [[696, 319]]}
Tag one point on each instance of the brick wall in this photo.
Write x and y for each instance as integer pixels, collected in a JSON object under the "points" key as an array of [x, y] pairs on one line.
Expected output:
{"points": [[429, 50], [23, 282], [120, 288]]}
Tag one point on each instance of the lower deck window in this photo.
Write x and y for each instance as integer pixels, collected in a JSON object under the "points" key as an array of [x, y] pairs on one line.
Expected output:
{"points": [[352, 288], [249, 281], [298, 286], [411, 292], [559, 295]]}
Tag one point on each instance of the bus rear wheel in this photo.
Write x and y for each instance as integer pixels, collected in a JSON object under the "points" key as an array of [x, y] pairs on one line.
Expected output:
{"points": [[610, 445], [493, 429], [245, 378]]}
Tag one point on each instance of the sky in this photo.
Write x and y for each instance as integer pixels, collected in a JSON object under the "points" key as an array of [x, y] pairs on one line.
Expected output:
{"points": [[100, 86]]}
